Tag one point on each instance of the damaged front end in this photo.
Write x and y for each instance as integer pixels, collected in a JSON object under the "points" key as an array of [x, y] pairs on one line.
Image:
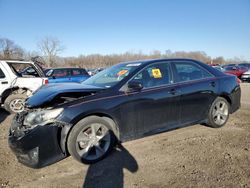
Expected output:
{"points": [[35, 137], [38, 134]]}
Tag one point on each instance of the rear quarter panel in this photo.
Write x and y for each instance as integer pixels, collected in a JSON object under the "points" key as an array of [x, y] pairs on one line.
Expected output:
{"points": [[230, 89], [31, 83]]}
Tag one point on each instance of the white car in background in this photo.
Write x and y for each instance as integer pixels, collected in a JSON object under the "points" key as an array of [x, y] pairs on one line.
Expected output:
{"points": [[18, 80], [245, 77]]}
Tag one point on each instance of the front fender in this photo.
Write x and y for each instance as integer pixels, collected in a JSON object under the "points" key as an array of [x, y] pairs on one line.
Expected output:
{"points": [[66, 128]]}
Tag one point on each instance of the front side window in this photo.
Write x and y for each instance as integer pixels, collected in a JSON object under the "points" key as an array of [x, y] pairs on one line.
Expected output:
{"points": [[154, 75], [2, 74], [189, 71]]}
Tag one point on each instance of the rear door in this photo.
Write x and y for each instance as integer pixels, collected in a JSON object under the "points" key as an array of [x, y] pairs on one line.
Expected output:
{"points": [[4, 80], [198, 90]]}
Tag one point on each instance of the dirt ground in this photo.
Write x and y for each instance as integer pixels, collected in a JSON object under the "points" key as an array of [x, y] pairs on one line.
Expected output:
{"points": [[195, 156]]}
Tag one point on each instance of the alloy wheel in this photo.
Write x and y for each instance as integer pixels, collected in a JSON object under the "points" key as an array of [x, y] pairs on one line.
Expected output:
{"points": [[17, 105], [93, 141], [220, 112]]}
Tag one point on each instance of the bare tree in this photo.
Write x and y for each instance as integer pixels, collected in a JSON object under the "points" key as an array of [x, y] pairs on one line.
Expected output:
{"points": [[50, 47], [10, 50], [219, 60]]}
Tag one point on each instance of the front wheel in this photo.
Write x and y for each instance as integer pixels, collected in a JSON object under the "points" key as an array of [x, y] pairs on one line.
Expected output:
{"points": [[90, 140], [218, 113], [15, 103]]}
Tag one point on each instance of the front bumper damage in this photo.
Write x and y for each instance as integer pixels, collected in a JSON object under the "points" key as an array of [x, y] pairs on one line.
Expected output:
{"points": [[36, 147]]}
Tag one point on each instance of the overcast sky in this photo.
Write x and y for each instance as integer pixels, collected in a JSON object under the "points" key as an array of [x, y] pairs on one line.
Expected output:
{"points": [[218, 27]]}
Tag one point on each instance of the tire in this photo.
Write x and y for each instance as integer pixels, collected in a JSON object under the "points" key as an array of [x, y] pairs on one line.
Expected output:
{"points": [[218, 113], [14, 103], [88, 146]]}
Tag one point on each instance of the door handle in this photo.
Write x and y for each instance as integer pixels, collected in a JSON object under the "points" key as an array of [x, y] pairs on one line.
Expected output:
{"points": [[212, 84], [4, 82], [172, 91]]}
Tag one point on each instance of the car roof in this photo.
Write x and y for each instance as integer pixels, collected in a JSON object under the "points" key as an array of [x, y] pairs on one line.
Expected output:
{"points": [[64, 68], [159, 59], [147, 61], [18, 62]]}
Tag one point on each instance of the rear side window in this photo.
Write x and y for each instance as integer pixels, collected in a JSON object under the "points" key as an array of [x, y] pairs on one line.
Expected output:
{"points": [[76, 72], [2, 74], [189, 71]]}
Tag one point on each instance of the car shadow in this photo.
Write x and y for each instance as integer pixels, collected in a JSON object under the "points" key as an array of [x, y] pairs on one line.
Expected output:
{"points": [[3, 115], [109, 172]]}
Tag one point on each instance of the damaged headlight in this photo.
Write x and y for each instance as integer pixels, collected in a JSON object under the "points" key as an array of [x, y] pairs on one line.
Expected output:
{"points": [[41, 117]]}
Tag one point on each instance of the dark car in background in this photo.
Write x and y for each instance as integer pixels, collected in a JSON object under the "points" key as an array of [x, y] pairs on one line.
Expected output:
{"points": [[59, 75], [124, 102], [245, 65]]}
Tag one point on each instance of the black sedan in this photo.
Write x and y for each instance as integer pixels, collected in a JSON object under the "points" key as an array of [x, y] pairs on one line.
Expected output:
{"points": [[124, 102]]}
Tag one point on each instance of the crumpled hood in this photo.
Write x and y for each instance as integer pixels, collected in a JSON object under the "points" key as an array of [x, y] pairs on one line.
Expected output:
{"points": [[48, 92]]}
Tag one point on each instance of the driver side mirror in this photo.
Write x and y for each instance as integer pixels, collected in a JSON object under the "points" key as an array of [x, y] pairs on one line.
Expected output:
{"points": [[135, 85]]}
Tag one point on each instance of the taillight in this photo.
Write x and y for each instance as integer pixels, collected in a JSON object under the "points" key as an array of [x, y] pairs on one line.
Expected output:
{"points": [[45, 81]]}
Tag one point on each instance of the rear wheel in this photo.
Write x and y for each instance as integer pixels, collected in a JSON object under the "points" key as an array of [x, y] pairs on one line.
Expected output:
{"points": [[90, 140], [218, 113], [15, 103]]}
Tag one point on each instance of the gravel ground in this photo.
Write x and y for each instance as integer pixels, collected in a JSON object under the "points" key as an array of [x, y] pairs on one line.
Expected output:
{"points": [[195, 156]]}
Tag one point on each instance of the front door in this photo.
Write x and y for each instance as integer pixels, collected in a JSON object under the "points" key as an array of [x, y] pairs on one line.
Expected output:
{"points": [[156, 107]]}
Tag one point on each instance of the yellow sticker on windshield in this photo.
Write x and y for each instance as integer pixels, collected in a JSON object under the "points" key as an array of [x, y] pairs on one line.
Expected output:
{"points": [[156, 73], [122, 72]]}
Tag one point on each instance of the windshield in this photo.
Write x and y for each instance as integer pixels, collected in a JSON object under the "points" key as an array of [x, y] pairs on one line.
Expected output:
{"points": [[111, 76]]}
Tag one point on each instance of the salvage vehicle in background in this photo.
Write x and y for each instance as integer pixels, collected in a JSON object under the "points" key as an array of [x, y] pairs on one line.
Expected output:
{"points": [[18, 80], [245, 77], [59, 75], [124, 102], [235, 70]]}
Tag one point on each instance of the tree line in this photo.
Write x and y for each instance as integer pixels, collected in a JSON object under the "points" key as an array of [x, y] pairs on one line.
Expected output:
{"points": [[50, 48]]}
